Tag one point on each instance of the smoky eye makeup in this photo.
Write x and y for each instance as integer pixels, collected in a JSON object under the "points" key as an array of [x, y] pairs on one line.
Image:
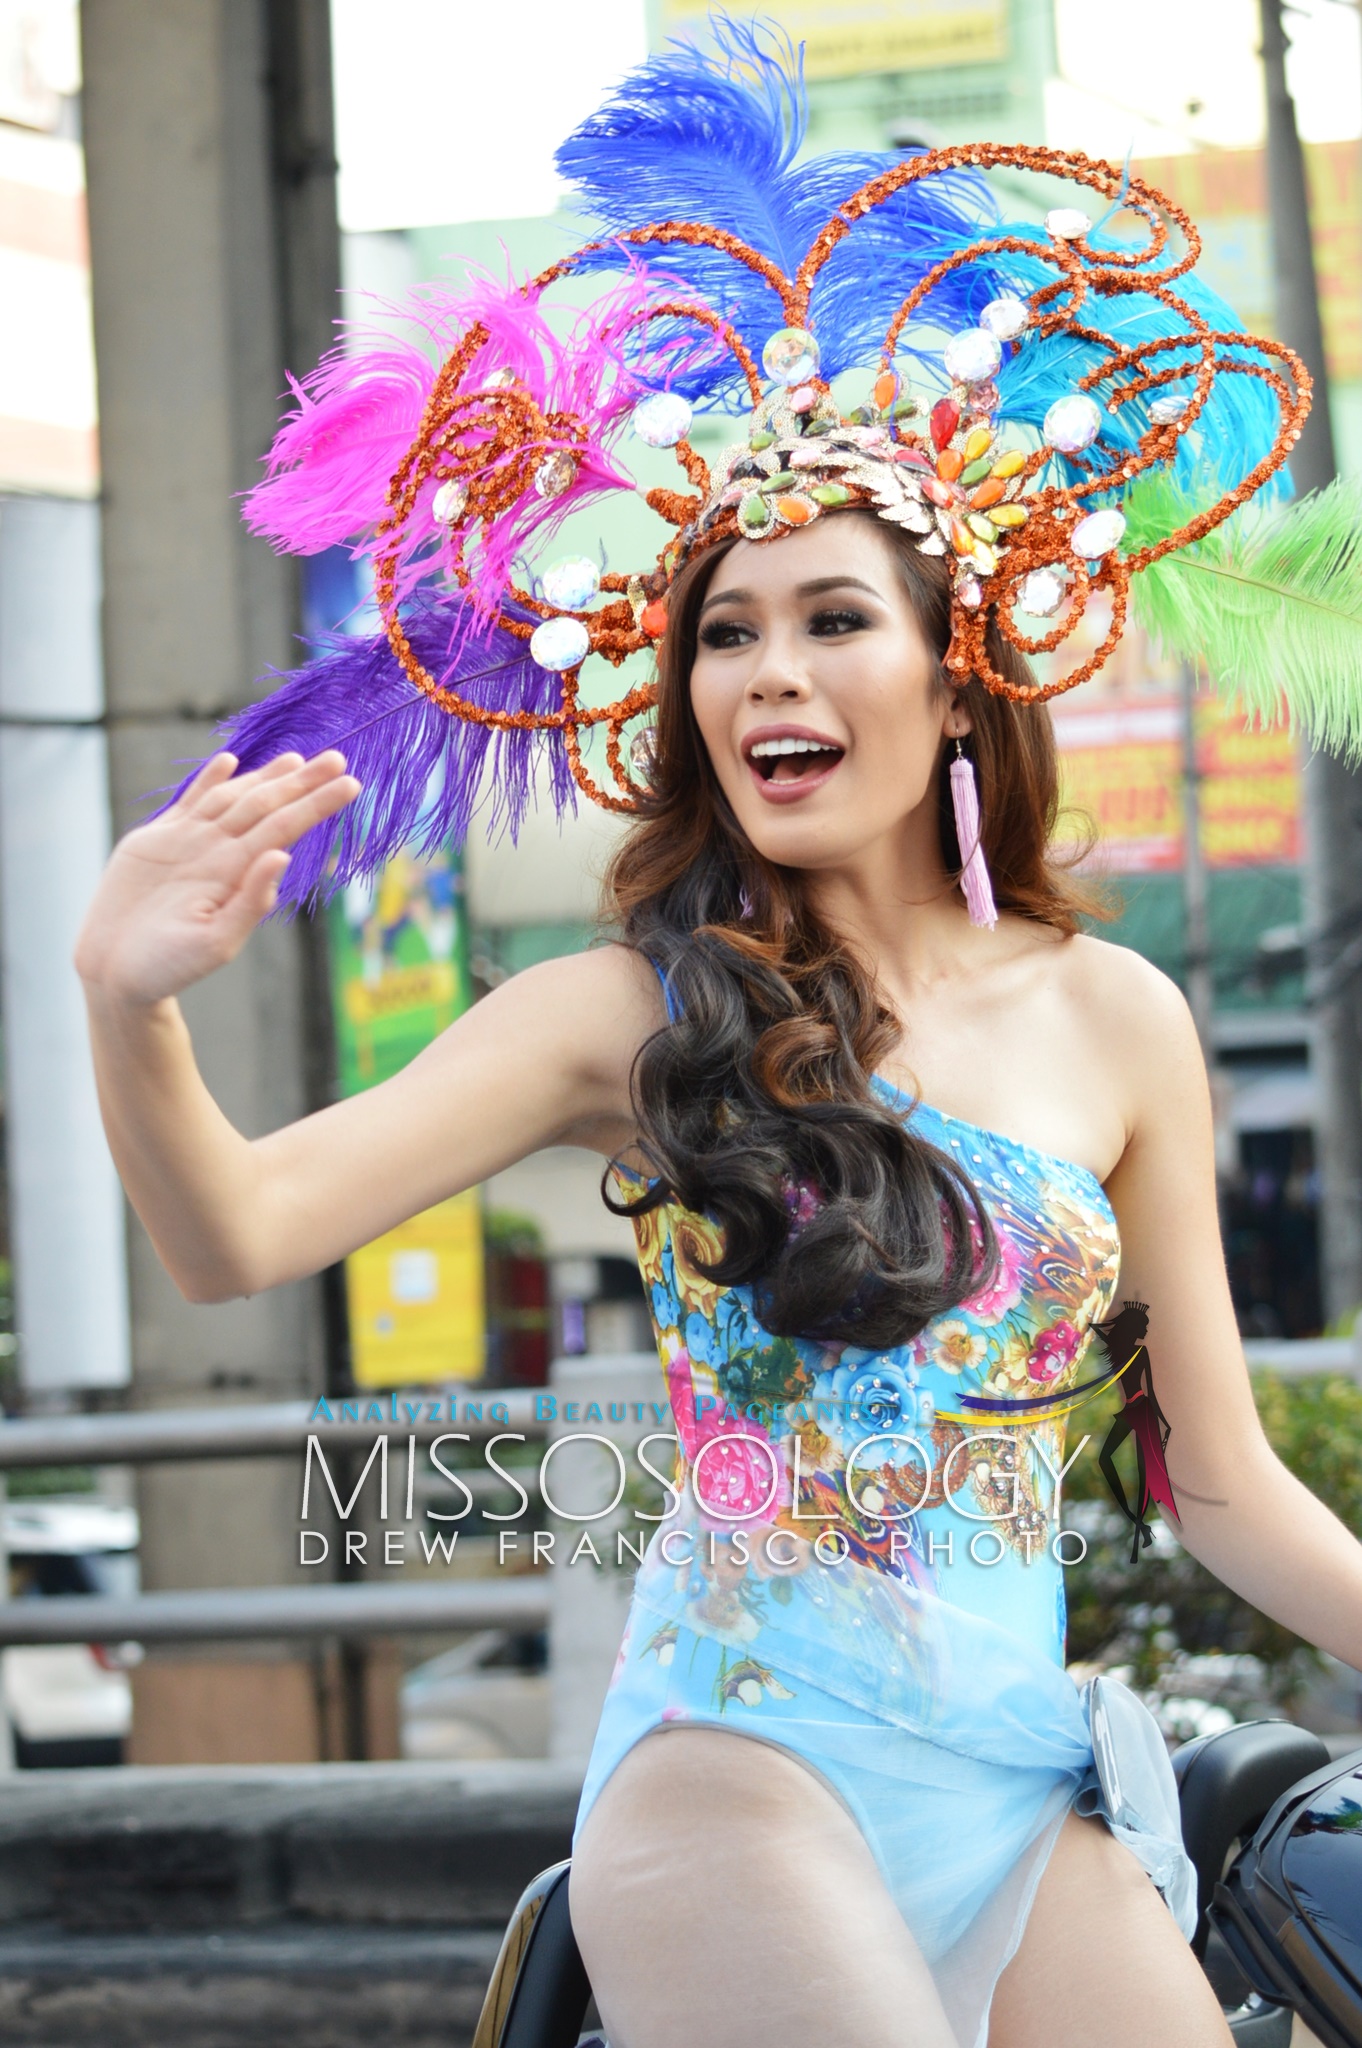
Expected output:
{"points": [[831, 620], [723, 633]]}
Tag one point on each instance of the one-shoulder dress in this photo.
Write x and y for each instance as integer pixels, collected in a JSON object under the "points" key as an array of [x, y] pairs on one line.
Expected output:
{"points": [[859, 1576]]}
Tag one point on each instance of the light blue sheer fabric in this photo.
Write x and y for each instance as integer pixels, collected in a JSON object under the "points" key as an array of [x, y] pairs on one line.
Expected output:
{"points": [[913, 1659]]}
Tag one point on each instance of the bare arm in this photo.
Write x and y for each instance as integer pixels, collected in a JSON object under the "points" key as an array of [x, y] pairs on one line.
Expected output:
{"points": [[1241, 1512], [544, 1060]]}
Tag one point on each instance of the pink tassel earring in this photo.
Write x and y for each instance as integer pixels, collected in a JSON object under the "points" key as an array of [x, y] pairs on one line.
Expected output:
{"points": [[965, 803]]}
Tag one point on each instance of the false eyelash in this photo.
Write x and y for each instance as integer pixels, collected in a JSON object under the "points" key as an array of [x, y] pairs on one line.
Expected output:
{"points": [[843, 614]]}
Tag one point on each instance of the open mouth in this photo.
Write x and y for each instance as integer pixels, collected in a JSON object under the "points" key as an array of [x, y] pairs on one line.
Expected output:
{"points": [[787, 760]]}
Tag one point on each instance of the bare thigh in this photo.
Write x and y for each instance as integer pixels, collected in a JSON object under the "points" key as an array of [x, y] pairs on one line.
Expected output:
{"points": [[720, 1893], [1102, 1959]]}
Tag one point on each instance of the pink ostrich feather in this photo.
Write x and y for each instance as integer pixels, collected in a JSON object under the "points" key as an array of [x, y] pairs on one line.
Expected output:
{"points": [[360, 410], [327, 472]]}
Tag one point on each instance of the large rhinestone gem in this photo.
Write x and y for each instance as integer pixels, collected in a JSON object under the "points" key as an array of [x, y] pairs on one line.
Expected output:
{"points": [[790, 356], [1073, 423], [972, 357], [662, 419], [1167, 407], [1067, 223], [570, 584], [449, 502], [556, 474], [1098, 534], [754, 513], [643, 754], [1006, 317], [1041, 593], [559, 644], [945, 420]]}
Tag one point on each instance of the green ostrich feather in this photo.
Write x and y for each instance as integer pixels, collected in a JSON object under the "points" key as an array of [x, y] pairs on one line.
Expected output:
{"points": [[1272, 605]]}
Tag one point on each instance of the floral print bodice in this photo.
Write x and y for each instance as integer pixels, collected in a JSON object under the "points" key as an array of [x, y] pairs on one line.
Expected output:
{"points": [[785, 1434]]}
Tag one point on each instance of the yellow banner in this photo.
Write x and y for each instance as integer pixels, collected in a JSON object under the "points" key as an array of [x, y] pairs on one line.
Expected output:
{"points": [[1122, 764], [841, 37], [399, 958], [416, 1299]]}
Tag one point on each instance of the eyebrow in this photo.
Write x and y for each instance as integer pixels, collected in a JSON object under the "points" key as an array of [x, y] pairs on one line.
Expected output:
{"points": [[817, 588]]}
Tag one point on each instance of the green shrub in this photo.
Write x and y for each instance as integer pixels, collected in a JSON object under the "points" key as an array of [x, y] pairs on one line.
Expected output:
{"points": [[1167, 1606]]}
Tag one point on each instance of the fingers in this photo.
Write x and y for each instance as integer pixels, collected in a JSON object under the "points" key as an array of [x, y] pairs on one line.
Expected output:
{"points": [[249, 799], [218, 769], [223, 795], [282, 827], [260, 884]]}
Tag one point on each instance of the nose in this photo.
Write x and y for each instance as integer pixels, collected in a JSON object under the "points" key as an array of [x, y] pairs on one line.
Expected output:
{"points": [[779, 676]]}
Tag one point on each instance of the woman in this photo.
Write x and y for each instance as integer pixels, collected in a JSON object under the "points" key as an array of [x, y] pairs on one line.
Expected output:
{"points": [[887, 1147]]}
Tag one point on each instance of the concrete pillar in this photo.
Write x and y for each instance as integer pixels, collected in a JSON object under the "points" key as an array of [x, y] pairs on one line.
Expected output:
{"points": [[65, 1208], [207, 128]]}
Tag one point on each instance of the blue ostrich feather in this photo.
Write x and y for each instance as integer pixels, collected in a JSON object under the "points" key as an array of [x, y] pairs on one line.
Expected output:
{"points": [[423, 771], [1236, 426], [714, 139]]}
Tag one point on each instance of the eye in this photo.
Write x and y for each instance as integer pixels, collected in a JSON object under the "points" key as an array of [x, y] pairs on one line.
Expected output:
{"points": [[724, 633], [832, 623]]}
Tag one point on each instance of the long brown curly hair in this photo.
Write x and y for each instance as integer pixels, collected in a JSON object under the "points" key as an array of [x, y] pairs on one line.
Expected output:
{"points": [[755, 1103]]}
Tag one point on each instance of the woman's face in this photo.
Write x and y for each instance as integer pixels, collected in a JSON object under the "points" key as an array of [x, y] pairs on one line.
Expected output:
{"points": [[818, 697]]}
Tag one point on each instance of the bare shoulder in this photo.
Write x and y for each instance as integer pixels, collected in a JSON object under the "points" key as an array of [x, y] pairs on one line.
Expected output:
{"points": [[1112, 979], [1140, 1020], [609, 989], [590, 1011]]}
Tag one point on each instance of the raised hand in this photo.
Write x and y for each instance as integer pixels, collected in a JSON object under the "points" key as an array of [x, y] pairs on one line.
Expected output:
{"points": [[182, 893]]}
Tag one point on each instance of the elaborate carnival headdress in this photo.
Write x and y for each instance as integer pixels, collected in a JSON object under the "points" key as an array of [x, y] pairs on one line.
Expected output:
{"points": [[1052, 407]]}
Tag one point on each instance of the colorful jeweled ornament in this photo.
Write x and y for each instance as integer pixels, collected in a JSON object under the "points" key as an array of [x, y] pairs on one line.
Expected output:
{"points": [[1006, 317], [1067, 223], [559, 644], [790, 356], [643, 754], [571, 583], [556, 474], [1073, 423], [662, 419], [1042, 593], [1098, 534], [972, 356], [449, 502]]}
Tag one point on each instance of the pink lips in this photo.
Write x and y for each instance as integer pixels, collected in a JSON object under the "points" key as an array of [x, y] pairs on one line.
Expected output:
{"points": [[806, 784]]}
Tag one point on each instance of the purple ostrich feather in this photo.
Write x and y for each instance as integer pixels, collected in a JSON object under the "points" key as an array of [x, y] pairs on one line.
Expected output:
{"points": [[424, 772]]}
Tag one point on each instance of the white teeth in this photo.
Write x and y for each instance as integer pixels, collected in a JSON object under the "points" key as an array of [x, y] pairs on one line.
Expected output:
{"points": [[765, 749]]}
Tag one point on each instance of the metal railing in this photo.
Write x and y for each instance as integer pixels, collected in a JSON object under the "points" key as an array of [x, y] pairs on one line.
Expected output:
{"points": [[236, 1613], [1295, 1356], [156, 1436], [278, 1429]]}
